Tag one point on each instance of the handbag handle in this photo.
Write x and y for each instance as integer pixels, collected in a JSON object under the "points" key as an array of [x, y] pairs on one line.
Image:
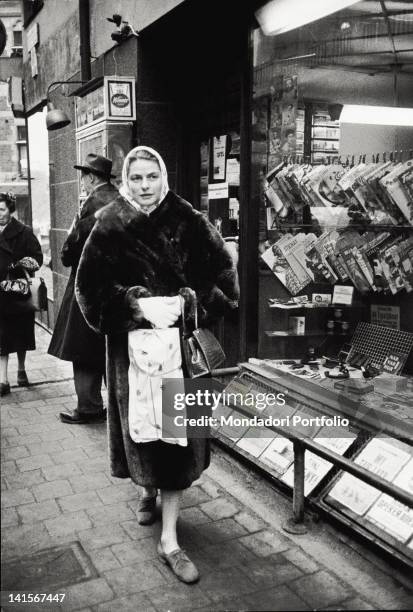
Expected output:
{"points": [[194, 305]]}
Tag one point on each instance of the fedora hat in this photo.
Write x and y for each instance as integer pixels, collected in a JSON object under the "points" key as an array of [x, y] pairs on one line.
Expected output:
{"points": [[97, 164]]}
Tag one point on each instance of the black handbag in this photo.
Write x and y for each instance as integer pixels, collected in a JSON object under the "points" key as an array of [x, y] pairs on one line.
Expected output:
{"points": [[201, 351]]}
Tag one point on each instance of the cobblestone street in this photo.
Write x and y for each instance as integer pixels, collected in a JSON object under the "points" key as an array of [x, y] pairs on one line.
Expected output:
{"points": [[69, 527]]}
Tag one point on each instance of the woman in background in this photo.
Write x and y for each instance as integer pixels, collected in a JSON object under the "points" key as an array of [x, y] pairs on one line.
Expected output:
{"points": [[20, 251]]}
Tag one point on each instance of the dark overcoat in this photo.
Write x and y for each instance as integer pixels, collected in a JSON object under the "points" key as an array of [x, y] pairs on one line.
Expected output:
{"points": [[130, 255], [16, 328], [73, 339]]}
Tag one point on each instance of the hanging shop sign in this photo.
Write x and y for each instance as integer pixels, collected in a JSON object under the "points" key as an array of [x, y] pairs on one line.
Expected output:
{"points": [[113, 101]]}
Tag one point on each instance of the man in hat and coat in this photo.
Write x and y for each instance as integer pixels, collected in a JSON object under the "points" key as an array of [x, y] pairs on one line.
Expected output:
{"points": [[73, 340]]}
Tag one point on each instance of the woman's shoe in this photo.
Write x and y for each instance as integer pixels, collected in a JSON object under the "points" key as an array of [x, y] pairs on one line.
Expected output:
{"points": [[4, 389], [180, 564], [146, 511], [22, 379]]}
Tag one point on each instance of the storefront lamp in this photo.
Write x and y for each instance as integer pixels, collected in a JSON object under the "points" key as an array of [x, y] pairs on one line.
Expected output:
{"points": [[377, 115], [57, 118], [279, 16]]}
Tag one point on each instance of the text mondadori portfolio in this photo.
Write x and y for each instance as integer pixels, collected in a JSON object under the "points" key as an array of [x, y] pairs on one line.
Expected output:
{"points": [[232, 420]]}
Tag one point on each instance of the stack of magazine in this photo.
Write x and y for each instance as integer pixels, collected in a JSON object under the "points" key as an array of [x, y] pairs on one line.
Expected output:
{"points": [[371, 261], [379, 193]]}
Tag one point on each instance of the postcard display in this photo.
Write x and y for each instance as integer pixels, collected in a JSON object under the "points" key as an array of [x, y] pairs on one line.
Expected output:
{"points": [[104, 120], [336, 281]]}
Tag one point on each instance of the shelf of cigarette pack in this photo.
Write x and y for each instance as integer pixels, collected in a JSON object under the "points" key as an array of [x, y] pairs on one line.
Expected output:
{"points": [[312, 306], [327, 138], [282, 334]]}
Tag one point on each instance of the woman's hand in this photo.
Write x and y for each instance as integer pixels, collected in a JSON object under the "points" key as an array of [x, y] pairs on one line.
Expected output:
{"points": [[162, 312]]}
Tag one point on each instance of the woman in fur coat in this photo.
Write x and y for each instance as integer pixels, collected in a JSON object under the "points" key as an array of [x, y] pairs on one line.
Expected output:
{"points": [[148, 247]]}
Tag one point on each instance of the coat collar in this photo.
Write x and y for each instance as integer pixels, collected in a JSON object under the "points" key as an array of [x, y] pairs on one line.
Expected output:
{"points": [[11, 230]]}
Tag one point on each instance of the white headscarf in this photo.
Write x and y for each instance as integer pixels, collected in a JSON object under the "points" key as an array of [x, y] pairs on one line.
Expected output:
{"points": [[124, 190]]}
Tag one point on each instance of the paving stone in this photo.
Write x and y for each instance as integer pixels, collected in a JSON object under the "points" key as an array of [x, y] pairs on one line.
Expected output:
{"points": [[114, 494], [133, 552], [135, 578], [215, 584], [224, 529], [51, 490], [26, 430], [193, 496], [56, 434], [94, 465], [137, 532], [3, 483], [103, 559], [95, 451], [16, 498], [137, 602], [193, 516], [9, 517], [111, 514], [219, 508], [88, 482], [27, 479], [276, 599], [321, 589], [32, 463], [23, 440], [265, 543], [33, 513], [89, 593], [79, 501], [39, 448], [271, 571], [354, 604], [10, 432], [250, 522], [24, 540], [68, 524], [211, 489], [15, 452], [102, 536], [305, 563], [222, 555], [9, 468], [178, 596], [58, 472], [69, 456]]}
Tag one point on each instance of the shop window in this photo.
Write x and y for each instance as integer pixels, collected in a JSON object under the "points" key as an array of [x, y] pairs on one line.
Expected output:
{"points": [[22, 152], [332, 175], [21, 133]]}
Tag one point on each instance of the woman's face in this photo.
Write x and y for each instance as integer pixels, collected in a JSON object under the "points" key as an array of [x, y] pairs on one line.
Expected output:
{"points": [[145, 182], [5, 214]]}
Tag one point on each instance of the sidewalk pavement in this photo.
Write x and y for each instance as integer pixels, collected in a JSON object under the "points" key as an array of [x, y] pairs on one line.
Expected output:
{"points": [[69, 528]]}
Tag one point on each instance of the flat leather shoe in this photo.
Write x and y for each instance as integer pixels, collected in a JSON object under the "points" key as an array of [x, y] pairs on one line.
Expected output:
{"points": [[180, 564], [22, 379], [4, 389], [146, 511], [77, 418]]}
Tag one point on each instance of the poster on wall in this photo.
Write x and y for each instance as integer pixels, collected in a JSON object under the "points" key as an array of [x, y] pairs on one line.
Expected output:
{"points": [[219, 146], [120, 93], [283, 119]]}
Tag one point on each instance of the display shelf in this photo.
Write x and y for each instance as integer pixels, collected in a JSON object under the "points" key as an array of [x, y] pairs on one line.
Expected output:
{"points": [[319, 332]]}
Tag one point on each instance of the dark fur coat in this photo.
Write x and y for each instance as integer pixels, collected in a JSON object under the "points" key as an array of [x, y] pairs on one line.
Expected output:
{"points": [[130, 255], [73, 339], [16, 330]]}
